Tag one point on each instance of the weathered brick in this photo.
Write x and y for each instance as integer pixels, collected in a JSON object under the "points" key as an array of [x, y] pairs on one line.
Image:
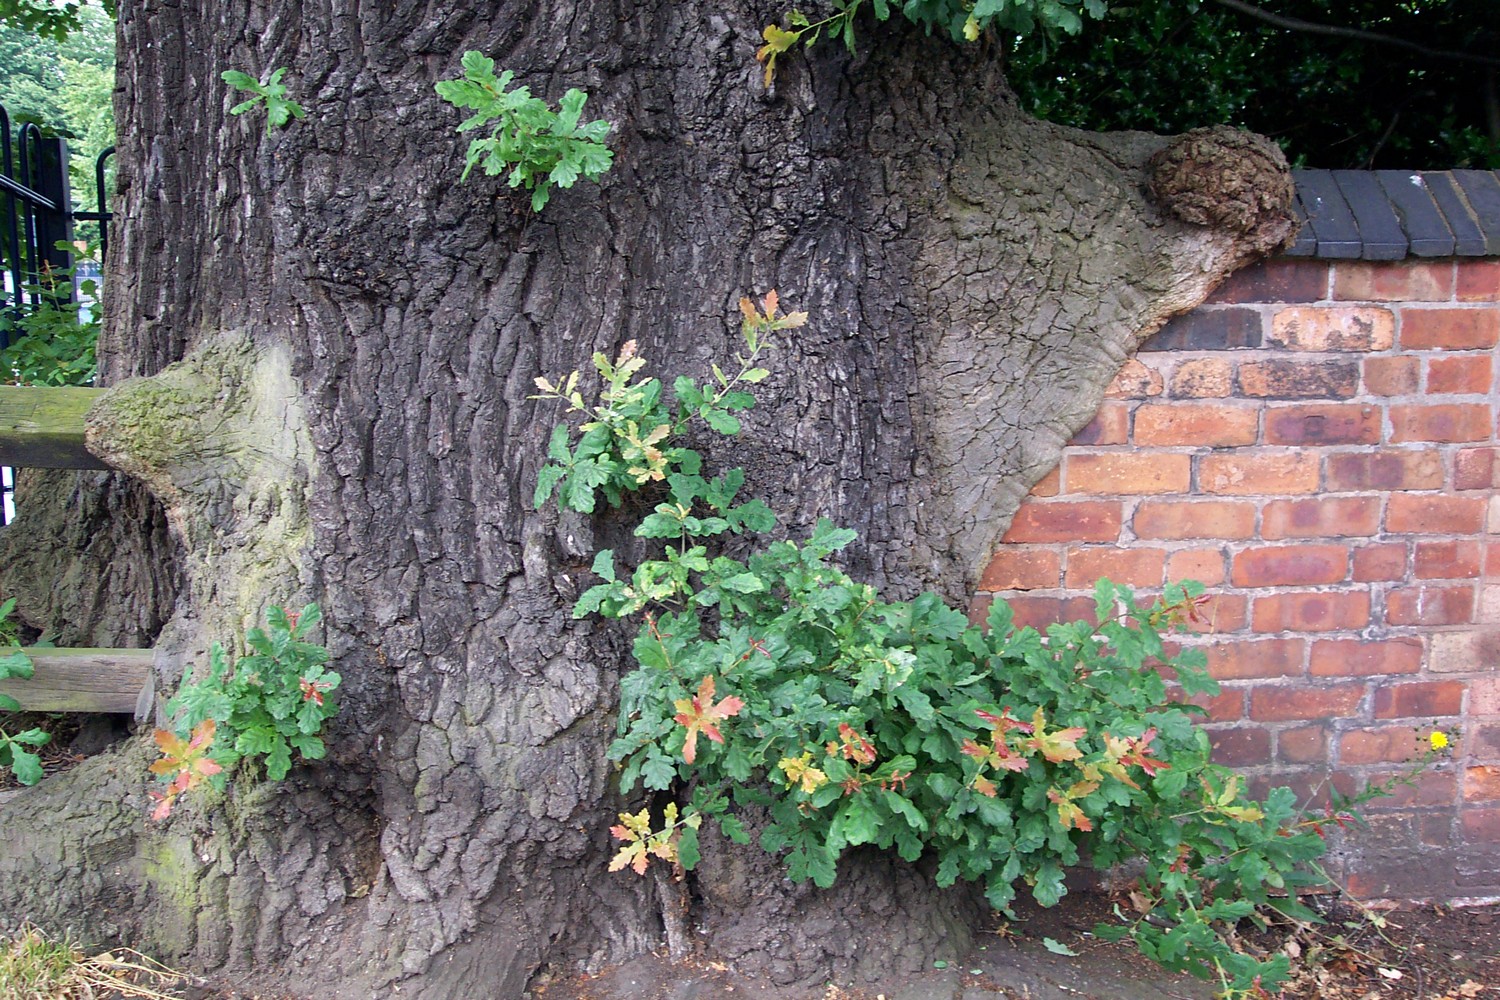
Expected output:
{"points": [[1464, 651], [1286, 379], [1447, 560], [1484, 696], [1348, 328], [1385, 744], [1226, 706], [1065, 521], [1133, 567], [1392, 281], [1256, 474], [1290, 566], [1479, 281], [1396, 376], [1302, 745], [1365, 657], [1275, 281], [1430, 605], [1449, 329], [1403, 701], [1199, 425], [1285, 703], [1203, 378], [1385, 471], [1038, 611], [1311, 787], [1423, 791], [1253, 658], [1111, 425], [1320, 517], [1204, 565], [1015, 568], [1311, 611], [1447, 422], [1048, 485], [1482, 783], [1386, 561], [1435, 514], [1135, 380], [1223, 613], [1462, 375], [1208, 330], [1480, 826], [1475, 469], [1484, 740], [1133, 473], [1239, 746], [1224, 519], [1327, 423]]}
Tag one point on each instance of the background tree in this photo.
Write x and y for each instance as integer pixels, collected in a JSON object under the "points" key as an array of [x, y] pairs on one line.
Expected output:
{"points": [[324, 347]]}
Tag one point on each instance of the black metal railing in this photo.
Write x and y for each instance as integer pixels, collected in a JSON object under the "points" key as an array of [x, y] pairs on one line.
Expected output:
{"points": [[36, 229]]}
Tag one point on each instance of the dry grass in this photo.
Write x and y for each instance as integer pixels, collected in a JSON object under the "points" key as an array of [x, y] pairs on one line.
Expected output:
{"points": [[33, 966]]}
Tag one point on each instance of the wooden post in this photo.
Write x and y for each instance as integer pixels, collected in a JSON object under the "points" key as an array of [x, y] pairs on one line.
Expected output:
{"points": [[82, 680], [42, 428]]}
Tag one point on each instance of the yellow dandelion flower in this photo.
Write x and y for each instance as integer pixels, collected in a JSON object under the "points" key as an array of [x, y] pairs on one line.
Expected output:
{"points": [[1438, 739]]}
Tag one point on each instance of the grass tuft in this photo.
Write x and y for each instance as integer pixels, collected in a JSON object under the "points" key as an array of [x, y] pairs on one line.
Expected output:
{"points": [[34, 966]]}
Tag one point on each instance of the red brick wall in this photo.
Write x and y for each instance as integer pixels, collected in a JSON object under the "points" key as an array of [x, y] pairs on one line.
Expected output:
{"points": [[1317, 444]]}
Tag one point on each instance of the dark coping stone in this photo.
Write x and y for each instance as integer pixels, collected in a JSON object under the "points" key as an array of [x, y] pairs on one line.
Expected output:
{"points": [[1379, 229], [1306, 244], [1468, 239], [1208, 330], [1425, 226], [1328, 215], [1482, 189]]}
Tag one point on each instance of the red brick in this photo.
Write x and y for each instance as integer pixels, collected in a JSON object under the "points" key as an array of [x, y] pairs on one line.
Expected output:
{"points": [[1482, 783], [1365, 657], [1479, 281], [1474, 469], [1380, 562], [1402, 701], [1204, 565], [1256, 658], [1424, 791], [1449, 329], [1299, 379], [1379, 746], [1480, 826], [1462, 652], [1226, 706], [1430, 605], [1323, 424], [1290, 566], [1039, 612], [1302, 745], [1135, 380], [1239, 746], [1367, 281], [1203, 378], [1251, 475], [1484, 696], [1385, 471], [1484, 741], [1392, 376], [1064, 521], [1224, 519], [1435, 514], [1222, 613], [1275, 281], [1447, 560], [1324, 517], [1048, 485], [1022, 569], [1133, 567], [1460, 375], [1311, 787], [1311, 612], [1299, 701], [1109, 426], [1199, 425], [1450, 422], [1130, 473], [1345, 328]]}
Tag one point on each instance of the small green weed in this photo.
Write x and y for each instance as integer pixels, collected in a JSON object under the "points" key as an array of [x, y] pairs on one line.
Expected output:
{"points": [[17, 750], [280, 109]]}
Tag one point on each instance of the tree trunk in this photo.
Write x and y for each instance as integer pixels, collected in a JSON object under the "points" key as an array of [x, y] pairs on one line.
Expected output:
{"points": [[339, 340]]}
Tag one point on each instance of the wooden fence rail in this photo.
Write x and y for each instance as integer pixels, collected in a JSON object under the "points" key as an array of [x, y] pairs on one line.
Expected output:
{"points": [[42, 428], [82, 680]]}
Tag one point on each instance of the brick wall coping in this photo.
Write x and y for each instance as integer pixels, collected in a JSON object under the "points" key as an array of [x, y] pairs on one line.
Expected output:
{"points": [[1392, 214]]}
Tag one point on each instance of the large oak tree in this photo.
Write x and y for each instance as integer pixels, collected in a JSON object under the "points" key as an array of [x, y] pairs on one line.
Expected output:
{"points": [[323, 344]]}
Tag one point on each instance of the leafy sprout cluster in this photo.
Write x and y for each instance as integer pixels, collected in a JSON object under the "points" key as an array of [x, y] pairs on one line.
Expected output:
{"points": [[17, 750], [280, 109]]}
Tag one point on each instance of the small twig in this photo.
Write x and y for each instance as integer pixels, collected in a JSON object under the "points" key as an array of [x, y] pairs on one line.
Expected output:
{"points": [[1354, 34]]}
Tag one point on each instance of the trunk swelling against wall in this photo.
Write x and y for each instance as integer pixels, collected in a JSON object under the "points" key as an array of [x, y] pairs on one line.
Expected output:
{"points": [[363, 332]]}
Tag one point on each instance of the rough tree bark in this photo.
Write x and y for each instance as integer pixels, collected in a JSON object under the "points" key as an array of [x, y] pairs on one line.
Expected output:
{"points": [[333, 342]]}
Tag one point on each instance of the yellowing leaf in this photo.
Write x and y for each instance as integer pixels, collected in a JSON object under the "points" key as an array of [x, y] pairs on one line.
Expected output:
{"points": [[700, 714], [777, 42]]}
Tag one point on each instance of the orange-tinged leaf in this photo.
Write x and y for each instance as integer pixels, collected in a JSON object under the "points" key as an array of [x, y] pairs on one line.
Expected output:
{"points": [[700, 714], [1057, 747]]}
